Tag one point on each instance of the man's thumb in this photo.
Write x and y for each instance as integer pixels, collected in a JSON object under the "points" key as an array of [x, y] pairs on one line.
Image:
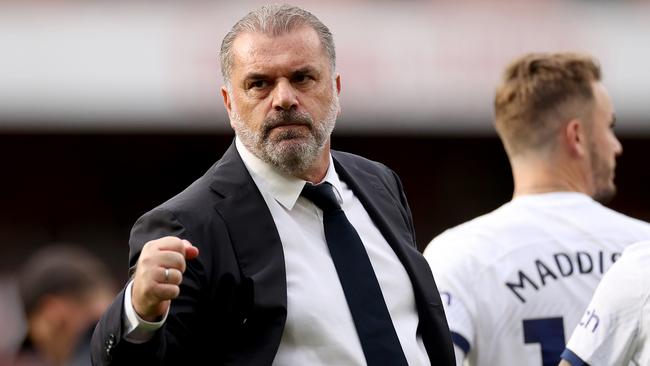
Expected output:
{"points": [[191, 251]]}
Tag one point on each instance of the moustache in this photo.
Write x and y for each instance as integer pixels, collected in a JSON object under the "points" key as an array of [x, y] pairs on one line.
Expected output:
{"points": [[286, 118]]}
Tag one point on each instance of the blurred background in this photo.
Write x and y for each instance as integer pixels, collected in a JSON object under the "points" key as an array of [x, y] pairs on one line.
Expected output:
{"points": [[108, 108]]}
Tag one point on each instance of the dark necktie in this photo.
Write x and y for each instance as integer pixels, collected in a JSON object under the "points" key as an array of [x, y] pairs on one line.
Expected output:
{"points": [[362, 292]]}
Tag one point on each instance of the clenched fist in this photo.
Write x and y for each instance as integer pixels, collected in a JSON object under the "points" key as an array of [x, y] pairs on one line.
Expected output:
{"points": [[158, 275]]}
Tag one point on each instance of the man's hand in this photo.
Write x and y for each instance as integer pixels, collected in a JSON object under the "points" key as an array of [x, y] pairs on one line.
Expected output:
{"points": [[158, 275]]}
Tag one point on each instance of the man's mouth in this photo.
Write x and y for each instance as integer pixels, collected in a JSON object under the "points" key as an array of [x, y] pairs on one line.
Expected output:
{"points": [[288, 131], [289, 126]]}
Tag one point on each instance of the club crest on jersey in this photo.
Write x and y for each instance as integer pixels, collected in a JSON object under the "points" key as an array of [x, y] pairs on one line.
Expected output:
{"points": [[559, 266]]}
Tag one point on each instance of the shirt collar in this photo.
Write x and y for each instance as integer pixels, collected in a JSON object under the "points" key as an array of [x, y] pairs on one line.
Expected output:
{"points": [[553, 198], [285, 189]]}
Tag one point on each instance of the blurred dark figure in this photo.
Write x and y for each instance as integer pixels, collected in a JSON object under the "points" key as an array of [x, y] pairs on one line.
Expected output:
{"points": [[64, 290]]}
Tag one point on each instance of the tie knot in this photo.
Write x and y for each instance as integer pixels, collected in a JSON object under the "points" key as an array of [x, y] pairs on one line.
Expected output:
{"points": [[321, 195]]}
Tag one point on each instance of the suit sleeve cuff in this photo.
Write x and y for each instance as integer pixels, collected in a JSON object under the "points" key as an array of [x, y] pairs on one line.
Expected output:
{"points": [[138, 330]]}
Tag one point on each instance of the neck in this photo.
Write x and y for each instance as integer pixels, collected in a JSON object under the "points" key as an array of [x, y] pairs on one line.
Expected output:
{"points": [[541, 188], [317, 174], [534, 175], [318, 170]]}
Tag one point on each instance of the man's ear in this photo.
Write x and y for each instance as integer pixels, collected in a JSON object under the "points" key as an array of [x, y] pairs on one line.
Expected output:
{"points": [[338, 91], [226, 99], [574, 136], [338, 84]]}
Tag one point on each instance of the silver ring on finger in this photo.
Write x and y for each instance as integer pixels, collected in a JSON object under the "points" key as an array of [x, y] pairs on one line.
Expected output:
{"points": [[166, 274]]}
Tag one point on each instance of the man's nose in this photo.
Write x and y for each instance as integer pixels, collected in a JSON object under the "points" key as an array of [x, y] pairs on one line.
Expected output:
{"points": [[284, 96], [618, 147]]}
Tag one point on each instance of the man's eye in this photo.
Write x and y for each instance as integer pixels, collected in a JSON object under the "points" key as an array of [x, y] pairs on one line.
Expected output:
{"points": [[257, 84], [302, 78]]}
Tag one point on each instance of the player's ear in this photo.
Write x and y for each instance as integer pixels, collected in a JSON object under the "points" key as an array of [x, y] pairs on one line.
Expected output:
{"points": [[574, 138]]}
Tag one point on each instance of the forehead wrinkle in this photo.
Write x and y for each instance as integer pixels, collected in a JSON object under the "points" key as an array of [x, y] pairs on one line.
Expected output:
{"points": [[258, 52]]}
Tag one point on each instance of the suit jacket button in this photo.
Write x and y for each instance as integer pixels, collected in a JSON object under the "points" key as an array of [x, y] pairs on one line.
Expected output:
{"points": [[110, 342]]}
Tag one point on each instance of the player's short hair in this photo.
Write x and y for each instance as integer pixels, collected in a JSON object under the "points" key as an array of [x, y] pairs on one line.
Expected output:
{"points": [[60, 270], [275, 20], [538, 93]]}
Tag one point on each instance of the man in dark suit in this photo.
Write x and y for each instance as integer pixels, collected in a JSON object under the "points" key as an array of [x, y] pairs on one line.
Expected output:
{"points": [[284, 252]]}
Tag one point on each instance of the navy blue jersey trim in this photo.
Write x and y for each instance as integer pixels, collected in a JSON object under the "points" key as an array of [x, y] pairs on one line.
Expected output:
{"points": [[460, 341], [573, 358]]}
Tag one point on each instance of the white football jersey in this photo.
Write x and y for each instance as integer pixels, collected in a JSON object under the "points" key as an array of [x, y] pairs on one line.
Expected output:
{"points": [[615, 328], [516, 280]]}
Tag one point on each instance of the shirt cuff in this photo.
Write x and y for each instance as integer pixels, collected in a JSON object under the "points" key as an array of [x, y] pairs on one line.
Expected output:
{"points": [[574, 359], [138, 330]]}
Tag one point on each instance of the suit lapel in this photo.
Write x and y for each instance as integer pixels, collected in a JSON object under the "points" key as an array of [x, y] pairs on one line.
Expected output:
{"points": [[258, 248], [383, 209]]}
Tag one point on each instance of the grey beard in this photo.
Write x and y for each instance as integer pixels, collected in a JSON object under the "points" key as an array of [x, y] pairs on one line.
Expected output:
{"points": [[291, 159]]}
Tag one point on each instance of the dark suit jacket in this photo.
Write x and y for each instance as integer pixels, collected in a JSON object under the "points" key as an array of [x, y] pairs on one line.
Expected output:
{"points": [[233, 301]]}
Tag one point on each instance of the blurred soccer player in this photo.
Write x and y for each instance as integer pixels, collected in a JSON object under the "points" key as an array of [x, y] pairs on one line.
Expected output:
{"points": [[615, 328], [515, 280]]}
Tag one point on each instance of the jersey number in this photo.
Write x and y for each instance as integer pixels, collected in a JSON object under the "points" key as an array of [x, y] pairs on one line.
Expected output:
{"points": [[549, 333]]}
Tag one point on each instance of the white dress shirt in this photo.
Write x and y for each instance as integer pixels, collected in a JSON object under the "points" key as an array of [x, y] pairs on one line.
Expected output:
{"points": [[319, 329]]}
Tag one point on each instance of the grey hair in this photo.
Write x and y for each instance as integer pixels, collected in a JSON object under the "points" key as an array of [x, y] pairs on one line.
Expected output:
{"points": [[275, 20]]}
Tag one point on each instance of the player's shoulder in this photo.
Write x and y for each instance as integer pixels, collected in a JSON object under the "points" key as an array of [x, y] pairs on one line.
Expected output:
{"points": [[629, 278], [637, 256], [472, 244], [485, 230], [610, 217]]}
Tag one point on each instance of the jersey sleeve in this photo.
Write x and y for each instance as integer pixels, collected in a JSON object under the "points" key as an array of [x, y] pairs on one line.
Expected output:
{"points": [[606, 333], [452, 281]]}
